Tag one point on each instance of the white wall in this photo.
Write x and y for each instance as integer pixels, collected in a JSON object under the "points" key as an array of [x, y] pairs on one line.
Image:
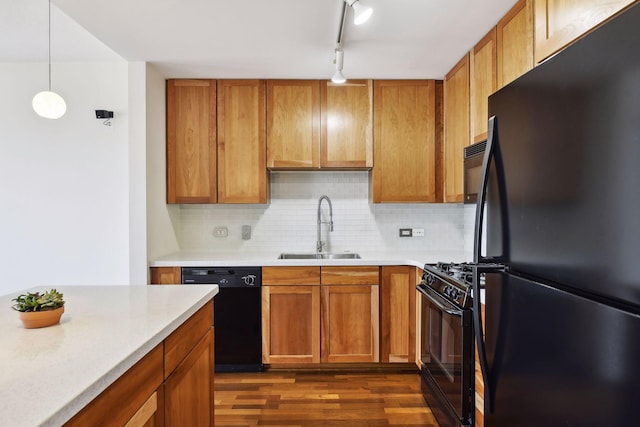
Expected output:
{"points": [[138, 271], [163, 221], [64, 184]]}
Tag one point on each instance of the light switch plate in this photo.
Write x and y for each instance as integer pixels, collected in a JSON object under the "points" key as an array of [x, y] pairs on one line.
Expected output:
{"points": [[246, 232]]}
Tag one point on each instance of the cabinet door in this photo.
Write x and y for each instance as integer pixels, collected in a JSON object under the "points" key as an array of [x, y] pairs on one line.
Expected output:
{"points": [[191, 141], [560, 22], [290, 324], [347, 124], [242, 147], [515, 42], [188, 391], [456, 129], [398, 314], [293, 124], [404, 141], [483, 82], [350, 319], [166, 275]]}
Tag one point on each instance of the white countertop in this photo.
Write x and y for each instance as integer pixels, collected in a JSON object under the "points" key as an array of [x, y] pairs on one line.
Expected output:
{"points": [[270, 259], [49, 374]]}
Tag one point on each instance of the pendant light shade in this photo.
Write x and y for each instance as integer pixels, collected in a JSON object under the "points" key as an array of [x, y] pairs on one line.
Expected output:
{"points": [[49, 104]]}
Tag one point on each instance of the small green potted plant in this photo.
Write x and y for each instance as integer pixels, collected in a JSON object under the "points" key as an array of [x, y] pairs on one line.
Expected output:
{"points": [[39, 310]]}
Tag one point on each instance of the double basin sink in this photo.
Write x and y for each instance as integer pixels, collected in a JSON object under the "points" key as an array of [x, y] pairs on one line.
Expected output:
{"points": [[321, 255]]}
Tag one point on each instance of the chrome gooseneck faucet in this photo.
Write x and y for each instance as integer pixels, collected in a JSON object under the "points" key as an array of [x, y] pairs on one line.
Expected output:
{"points": [[320, 244]]}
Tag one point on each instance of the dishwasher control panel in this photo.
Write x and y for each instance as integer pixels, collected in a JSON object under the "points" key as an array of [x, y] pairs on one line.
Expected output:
{"points": [[223, 276]]}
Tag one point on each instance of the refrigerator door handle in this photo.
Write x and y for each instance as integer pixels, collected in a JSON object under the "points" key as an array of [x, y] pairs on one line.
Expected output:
{"points": [[482, 191], [479, 333]]}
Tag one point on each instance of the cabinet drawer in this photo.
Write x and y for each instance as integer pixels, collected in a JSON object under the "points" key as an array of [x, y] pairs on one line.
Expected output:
{"points": [[367, 275], [128, 394], [290, 275], [183, 339]]}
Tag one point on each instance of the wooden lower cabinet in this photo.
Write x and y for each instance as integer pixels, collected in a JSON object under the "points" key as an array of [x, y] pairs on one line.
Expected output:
{"points": [[350, 314], [313, 315], [290, 324], [398, 314], [350, 323], [121, 401], [290, 315], [166, 275], [171, 386], [188, 391]]}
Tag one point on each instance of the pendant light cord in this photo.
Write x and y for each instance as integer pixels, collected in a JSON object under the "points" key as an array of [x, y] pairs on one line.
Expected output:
{"points": [[49, 45]]}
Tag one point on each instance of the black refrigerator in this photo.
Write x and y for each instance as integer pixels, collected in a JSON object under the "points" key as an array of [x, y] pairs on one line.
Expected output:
{"points": [[560, 203]]}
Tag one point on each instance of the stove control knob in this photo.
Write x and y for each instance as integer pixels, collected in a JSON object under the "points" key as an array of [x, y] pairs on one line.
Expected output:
{"points": [[430, 278], [249, 279]]}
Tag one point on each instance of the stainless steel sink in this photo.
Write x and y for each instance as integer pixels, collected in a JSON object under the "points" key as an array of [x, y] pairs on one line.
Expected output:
{"points": [[349, 255]]}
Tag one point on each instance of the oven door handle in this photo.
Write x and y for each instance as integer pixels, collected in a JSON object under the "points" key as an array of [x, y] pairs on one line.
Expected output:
{"points": [[439, 302]]}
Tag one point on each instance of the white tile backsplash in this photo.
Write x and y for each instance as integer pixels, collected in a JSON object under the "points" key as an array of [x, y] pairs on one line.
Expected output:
{"points": [[288, 223]]}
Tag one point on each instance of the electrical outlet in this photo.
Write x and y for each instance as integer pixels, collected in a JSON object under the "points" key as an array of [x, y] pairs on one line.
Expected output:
{"points": [[246, 232], [405, 232], [221, 232], [417, 232]]}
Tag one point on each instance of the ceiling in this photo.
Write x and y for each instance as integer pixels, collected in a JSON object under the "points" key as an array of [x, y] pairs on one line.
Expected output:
{"points": [[252, 38]]}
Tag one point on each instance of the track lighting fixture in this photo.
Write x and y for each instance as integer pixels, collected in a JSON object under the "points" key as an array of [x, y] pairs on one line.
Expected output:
{"points": [[49, 104], [338, 77], [361, 13]]}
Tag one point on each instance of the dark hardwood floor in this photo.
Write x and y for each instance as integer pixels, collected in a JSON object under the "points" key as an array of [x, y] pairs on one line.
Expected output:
{"points": [[320, 399]]}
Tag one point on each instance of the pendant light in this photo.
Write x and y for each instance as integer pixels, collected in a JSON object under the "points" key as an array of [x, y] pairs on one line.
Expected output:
{"points": [[49, 104]]}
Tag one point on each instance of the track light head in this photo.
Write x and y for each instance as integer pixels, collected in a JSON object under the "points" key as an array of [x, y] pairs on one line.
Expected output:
{"points": [[361, 13], [338, 77]]}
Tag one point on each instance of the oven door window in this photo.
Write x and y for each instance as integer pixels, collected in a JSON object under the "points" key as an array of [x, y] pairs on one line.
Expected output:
{"points": [[442, 350]]}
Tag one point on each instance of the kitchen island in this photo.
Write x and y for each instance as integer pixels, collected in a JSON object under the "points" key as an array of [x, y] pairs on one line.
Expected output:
{"points": [[49, 375]]}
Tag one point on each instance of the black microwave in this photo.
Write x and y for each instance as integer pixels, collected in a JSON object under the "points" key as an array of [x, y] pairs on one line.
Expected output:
{"points": [[473, 156]]}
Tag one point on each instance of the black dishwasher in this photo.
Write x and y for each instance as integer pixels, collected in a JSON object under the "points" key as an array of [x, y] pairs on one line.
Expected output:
{"points": [[237, 315]]}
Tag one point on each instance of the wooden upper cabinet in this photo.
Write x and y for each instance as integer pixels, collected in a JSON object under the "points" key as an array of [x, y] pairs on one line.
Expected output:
{"points": [[483, 82], [347, 124], [404, 141], [456, 129], [293, 124], [242, 169], [191, 141], [560, 22], [515, 42]]}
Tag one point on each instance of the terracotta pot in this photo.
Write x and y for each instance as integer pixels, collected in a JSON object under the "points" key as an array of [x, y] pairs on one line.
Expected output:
{"points": [[40, 319]]}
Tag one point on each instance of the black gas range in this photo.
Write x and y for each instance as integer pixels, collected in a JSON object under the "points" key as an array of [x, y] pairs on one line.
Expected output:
{"points": [[452, 281], [446, 341]]}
